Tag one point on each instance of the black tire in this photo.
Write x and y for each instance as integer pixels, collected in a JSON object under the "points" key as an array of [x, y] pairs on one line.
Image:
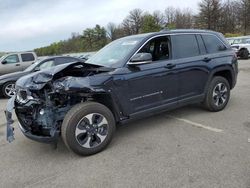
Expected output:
{"points": [[6, 95], [215, 99], [244, 54], [76, 116]]}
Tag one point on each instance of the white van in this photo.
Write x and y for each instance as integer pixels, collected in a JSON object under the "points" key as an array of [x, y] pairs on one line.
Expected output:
{"points": [[14, 62]]}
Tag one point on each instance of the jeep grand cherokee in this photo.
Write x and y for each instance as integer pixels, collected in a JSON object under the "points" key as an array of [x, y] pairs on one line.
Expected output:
{"points": [[132, 77]]}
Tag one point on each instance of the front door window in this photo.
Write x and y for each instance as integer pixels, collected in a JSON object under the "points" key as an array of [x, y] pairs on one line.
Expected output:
{"points": [[11, 59]]}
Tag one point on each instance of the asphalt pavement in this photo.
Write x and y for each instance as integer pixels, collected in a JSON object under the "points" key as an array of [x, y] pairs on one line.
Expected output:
{"points": [[185, 148]]}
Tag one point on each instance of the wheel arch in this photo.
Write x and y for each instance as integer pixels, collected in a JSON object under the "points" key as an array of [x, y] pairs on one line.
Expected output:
{"points": [[243, 48], [107, 100], [226, 73]]}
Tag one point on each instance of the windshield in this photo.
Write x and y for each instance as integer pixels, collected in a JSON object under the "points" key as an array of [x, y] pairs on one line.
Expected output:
{"points": [[2, 57], [114, 53], [231, 41], [241, 41]]}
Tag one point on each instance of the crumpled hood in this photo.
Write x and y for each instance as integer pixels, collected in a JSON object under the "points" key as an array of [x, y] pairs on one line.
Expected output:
{"points": [[73, 84], [38, 80]]}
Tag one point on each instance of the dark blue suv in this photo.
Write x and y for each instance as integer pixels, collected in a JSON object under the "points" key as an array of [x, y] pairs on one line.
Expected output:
{"points": [[131, 78]]}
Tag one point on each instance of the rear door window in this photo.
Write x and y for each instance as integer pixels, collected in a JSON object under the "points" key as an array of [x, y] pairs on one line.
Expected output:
{"points": [[27, 57], [184, 45], [47, 64], [63, 60], [213, 44]]}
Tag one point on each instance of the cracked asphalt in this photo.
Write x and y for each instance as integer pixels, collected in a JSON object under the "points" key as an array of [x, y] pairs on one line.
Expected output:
{"points": [[185, 148]]}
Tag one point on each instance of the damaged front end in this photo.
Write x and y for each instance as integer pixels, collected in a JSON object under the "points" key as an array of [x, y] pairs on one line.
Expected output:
{"points": [[43, 99], [40, 118]]}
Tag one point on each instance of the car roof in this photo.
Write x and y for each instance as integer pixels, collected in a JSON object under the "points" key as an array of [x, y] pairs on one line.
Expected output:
{"points": [[147, 36], [175, 31], [24, 52]]}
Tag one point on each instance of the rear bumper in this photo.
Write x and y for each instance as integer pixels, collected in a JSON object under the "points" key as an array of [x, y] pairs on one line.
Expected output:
{"points": [[234, 82], [1, 90]]}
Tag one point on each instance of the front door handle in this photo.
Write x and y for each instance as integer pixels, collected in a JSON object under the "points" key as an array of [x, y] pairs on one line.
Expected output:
{"points": [[17, 64], [207, 59], [170, 66]]}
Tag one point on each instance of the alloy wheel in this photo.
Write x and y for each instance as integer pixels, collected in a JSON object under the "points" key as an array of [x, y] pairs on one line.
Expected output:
{"points": [[220, 94], [91, 130], [10, 89]]}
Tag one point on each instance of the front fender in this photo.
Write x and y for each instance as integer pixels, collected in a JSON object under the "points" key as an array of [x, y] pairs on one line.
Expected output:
{"points": [[75, 85]]}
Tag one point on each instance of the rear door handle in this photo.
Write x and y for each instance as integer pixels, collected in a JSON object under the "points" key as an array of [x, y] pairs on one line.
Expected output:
{"points": [[170, 66], [17, 64], [207, 59]]}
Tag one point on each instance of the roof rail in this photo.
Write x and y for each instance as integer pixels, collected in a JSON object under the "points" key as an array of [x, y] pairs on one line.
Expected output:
{"points": [[165, 29]]}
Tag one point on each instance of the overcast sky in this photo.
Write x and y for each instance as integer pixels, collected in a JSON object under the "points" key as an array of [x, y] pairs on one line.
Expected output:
{"points": [[29, 24]]}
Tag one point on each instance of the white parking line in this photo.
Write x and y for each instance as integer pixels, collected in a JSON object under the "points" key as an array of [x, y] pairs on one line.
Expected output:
{"points": [[197, 124]]}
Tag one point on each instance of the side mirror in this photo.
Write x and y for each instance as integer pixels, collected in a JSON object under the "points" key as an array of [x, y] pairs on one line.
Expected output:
{"points": [[140, 58], [37, 69], [4, 62], [222, 48]]}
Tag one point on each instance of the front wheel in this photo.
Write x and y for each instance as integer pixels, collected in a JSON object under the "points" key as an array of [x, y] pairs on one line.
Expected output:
{"points": [[88, 128], [244, 54], [218, 94]]}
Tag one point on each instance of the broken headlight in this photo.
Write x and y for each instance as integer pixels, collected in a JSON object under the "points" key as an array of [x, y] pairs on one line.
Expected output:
{"points": [[23, 96]]}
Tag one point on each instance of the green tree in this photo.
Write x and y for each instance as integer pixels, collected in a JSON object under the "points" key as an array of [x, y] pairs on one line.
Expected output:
{"points": [[245, 15], [133, 22], [94, 38], [150, 24], [209, 15]]}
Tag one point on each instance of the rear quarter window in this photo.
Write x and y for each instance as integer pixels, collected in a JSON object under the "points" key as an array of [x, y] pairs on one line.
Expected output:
{"points": [[184, 46], [213, 44], [27, 57]]}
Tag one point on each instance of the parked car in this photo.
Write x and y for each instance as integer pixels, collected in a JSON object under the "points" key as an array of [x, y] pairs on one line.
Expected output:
{"points": [[241, 45], [131, 78], [231, 40], [7, 81], [14, 62]]}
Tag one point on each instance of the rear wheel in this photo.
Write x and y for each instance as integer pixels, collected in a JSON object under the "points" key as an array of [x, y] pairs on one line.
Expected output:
{"points": [[88, 128], [218, 94], [8, 89]]}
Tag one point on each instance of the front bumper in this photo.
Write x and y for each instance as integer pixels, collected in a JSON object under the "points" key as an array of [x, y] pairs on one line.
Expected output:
{"points": [[42, 139], [237, 51], [26, 130]]}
